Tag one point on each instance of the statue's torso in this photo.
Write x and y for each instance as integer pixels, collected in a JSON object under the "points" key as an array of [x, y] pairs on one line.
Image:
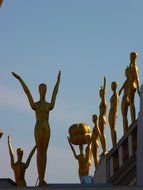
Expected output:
{"points": [[83, 165], [42, 111], [114, 104], [19, 172]]}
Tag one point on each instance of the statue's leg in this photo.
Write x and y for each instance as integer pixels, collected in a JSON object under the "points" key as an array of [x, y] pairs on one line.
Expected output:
{"points": [[124, 109], [104, 138], [115, 138], [112, 123], [42, 141], [101, 128], [132, 107], [95, 156], [114, 131]]}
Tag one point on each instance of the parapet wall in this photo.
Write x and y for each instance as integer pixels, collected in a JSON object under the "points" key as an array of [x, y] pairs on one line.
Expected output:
{"points": [[75, 187]]}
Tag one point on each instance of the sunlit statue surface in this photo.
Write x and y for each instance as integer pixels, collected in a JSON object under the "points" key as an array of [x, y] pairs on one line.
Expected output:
{"points": [[80, 134], [130, 86], [96, 136], [114, 100], [19, 167], [42, 127], [84, 159], [125, 99], [134, 84], [102, 112]]}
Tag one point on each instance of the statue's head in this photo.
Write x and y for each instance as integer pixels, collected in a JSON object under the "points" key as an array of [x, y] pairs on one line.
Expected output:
{"points": [[114, 85], [95, 118], [133, 56], [42, 89], [19, 154]]}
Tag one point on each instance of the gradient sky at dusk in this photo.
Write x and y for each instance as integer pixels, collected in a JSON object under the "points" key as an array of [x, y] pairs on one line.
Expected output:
{"points": [[86, 40]]}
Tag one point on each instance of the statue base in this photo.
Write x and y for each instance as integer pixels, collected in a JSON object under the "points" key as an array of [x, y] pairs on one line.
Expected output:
{"points": [[8, 184]]}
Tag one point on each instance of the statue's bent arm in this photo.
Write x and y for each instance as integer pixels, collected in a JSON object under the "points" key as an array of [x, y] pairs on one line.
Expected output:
{"points": [[88, 152], [30, 156], [123, 86], [26, 90], [72, 148], [11, 152], [137, 81]]}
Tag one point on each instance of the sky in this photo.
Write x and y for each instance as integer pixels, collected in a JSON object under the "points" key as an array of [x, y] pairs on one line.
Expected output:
{"points": [[86, 40]]}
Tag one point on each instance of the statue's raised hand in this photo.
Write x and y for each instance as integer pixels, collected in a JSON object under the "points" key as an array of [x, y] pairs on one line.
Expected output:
{"points": [[59, 75], [8, 139], [68, 139], [15, 75]]}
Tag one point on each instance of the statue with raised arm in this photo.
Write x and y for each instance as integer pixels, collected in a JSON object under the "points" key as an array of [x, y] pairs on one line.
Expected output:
{"points": [[84, 159], [125, 99], [19, 167], [102, 112], [42, 127], [114, 101], [96, 136]]}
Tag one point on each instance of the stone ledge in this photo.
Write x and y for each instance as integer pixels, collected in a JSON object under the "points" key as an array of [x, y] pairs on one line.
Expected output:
{"points": [[75, 186]]}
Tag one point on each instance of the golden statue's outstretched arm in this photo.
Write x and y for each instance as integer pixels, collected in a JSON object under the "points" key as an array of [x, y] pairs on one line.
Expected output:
{"points": [[104, 90], [26, 90], [55, 91], [88, 152], [30, 156], [123, 86], [11, 152], [72, 148]]}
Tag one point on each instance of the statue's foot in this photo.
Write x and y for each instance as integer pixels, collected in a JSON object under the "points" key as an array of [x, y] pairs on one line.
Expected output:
{"points": [[42, 183]]}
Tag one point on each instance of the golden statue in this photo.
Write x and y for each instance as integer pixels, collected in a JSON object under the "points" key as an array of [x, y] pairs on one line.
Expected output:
{"points": [[102, 112], [19, 167], [130, 86], [114, 100], [94, 141], [84, 159], [42, 127], [125, 100], [134, 84]]}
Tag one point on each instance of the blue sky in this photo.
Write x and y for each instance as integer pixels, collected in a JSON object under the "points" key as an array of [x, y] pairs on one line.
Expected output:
{"points": [[86, 40]]}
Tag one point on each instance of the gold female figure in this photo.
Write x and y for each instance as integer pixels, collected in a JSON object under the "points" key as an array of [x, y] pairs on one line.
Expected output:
{"points": [[134, 84], [96, 136], [125, 99], [114, 100], [42, 127], [102, 112]]}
